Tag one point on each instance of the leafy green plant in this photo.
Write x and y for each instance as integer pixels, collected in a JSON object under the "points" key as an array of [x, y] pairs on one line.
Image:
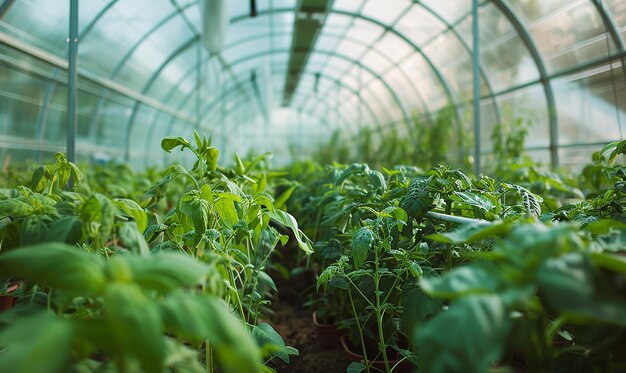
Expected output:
{"points": [[131, 312]]}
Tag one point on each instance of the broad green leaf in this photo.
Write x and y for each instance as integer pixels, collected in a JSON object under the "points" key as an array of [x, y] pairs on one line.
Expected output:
{"points": [[166, 272], [225, 207], [268, 339], [290, 222], [134, 323], [417, 306], [326, 275], [567, 283], [39, 179], [475, 200], [378, 180], [362, 242], [132, 208], [266, 280], [50, 351], [196, 318], [15, 208], [67, 229], [283, 198], [469, 337], [33, 229], [355, 367], [197, 209], [417, 200], [57, 265], [475, 278], [470, 233], [132, 239], [170, 143]]}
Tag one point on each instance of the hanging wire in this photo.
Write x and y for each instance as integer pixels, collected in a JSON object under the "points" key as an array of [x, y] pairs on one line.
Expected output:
{"points": [[608, 47]]}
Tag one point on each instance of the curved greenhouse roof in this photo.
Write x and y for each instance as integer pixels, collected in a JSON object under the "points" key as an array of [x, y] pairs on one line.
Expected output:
{"points": [[292, 72]]}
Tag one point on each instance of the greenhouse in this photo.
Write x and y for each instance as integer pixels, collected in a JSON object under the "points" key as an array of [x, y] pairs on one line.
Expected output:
{"points": [[312, 186]]}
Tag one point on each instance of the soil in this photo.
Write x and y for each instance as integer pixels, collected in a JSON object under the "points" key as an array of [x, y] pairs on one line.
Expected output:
{"points": [[295, 324]]}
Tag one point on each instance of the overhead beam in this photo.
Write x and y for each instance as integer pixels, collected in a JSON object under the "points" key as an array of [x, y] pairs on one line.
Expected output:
{"points": [[309, 20]]}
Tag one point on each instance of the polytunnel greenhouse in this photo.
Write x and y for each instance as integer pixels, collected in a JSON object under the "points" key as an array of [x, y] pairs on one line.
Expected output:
{"points": [[312, 186]]}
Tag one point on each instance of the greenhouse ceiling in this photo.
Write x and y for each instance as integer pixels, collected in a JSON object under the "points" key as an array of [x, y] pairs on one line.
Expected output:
{"points": [[292, 72]]}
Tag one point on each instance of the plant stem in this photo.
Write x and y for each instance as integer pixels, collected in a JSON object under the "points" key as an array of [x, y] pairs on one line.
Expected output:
{"points": [[358, 325], [208, 356], [379, 316]]}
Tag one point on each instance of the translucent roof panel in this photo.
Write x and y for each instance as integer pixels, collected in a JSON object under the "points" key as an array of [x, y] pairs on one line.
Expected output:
{"points": [[290, 73]]}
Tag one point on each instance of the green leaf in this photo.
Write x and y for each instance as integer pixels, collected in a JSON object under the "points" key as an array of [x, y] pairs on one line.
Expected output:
{"points": [[197, 209], [134, 323], [326, 275], [355, 367], [132, 238], [239, 167], [132, 208], [475, 200], [475, 278], [166, 272], [67, 229], [362, 242], [170, 143], [225, 207], [417, 305], [444, 346], [211, 158], [57, 265], [282, 200], [290, 222], [266, 280], [40, 179], [50, 351], [196, 318], [567, 283], [470, 233], [15, 208], [417, 200], [268, 339]]}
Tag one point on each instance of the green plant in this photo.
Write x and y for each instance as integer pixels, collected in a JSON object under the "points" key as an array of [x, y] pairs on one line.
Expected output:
{"points": [[131, 312]]}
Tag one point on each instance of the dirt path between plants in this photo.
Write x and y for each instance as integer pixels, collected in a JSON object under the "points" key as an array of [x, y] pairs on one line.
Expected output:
{"points": [[293, 322]]}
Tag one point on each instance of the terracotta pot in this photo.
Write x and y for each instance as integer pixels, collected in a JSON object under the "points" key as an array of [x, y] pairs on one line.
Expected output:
{"points": [[6, 302], [327, 334], [404, 367]]}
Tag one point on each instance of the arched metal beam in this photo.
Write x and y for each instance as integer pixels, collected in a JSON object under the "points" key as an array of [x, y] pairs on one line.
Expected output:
{"points": [[612, 29], [348, 59], [4, 7], [404, 110], [184, 101], [129, 53], [524, 35], [394, 64], [212, 105], [147, 86], [453, 30]]}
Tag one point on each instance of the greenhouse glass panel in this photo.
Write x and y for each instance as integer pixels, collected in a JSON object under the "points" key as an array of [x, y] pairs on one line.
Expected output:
{"points": [[419, 32], [587, 108], [528, 106], [576, 29]]}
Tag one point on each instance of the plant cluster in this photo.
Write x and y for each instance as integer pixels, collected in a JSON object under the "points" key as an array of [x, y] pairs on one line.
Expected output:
{"points": [[171, 277]]}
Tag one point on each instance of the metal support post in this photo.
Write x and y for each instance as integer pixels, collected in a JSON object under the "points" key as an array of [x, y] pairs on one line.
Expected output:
{"points": [[72, 121], [476, 85]]}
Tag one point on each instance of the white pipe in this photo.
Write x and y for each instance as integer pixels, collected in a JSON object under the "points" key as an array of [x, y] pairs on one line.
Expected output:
{"points": [[215, 20]]}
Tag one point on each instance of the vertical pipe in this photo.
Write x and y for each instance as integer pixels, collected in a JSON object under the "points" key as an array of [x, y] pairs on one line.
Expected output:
{"points": [[198, 84], [476, 84], [71, 84]]}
